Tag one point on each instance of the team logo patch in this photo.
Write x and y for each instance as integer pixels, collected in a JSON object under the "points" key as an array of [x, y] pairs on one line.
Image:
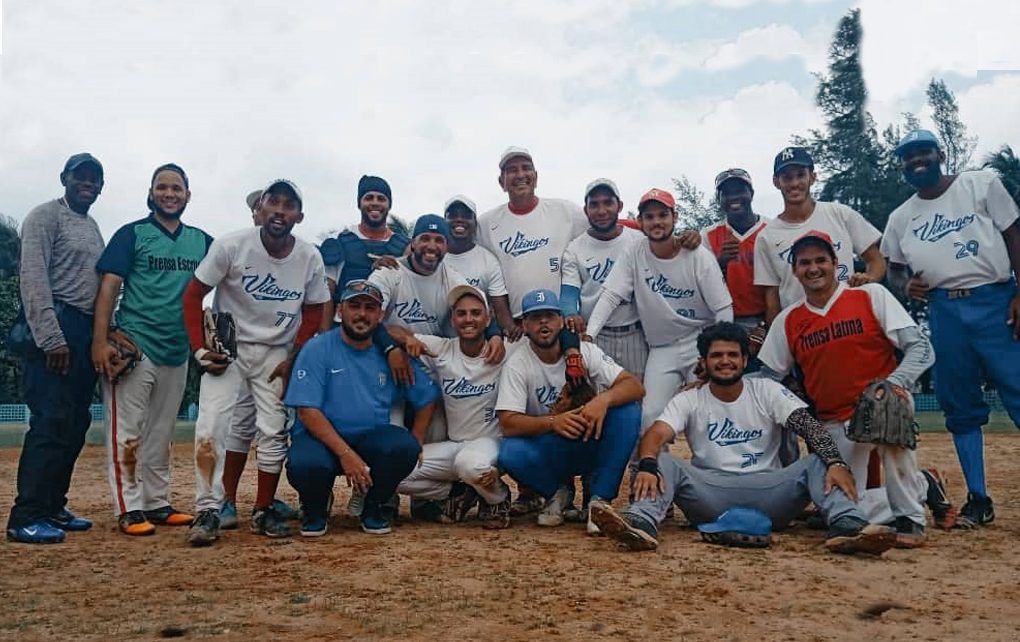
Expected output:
{"points": [[266, 288], [939, 227], [728, 434], [520, 244], [661, 286], [547, 395], [301, 374], [600, 271], [413, 312], [462, 388]]}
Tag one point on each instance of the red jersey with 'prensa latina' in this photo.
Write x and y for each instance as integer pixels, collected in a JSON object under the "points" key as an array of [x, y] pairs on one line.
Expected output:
{"points": [[840, 351], [748, 299]]}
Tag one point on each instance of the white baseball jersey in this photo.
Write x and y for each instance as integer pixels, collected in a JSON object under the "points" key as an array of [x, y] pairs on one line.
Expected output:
{"points": [[955, 239], [675, 298], [587, 263], [529, 247], [741, 436], [469, 388], [529, 385], [263, 293], [850, 232], [480, 268], [417, 301]]}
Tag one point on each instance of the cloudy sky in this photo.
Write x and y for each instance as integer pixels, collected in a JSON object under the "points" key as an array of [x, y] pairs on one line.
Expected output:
{"points": [[427, 94]]}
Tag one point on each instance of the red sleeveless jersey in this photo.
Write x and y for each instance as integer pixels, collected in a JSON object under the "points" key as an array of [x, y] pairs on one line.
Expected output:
{"points": [[839, 353], [748, 299]]}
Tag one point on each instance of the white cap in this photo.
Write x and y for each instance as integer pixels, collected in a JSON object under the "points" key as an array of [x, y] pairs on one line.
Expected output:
{"points": [[290, 184], [511, 152], [460, 198], [602, 182]]}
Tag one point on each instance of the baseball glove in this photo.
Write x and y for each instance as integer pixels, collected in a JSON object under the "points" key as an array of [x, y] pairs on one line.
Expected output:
{"points": [[220, 333], [128, 354], [884, 415], [573, 396]]}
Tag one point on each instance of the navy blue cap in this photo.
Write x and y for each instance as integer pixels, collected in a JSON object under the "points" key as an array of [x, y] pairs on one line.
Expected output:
{"points": [[917, 138], [538, 300], [740, 519], [78, 160], [799, 156], [431, 223]]}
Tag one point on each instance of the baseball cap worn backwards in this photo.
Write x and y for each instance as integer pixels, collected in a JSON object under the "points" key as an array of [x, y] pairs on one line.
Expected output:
{"points": [[917, 138], [252, 199], [282, 184], [659, 196], [602, 182], [361, 287], [76, 161], [538, 300], [433, 223], [734, 173], [813, 237], [790, 156], [513, 152]]}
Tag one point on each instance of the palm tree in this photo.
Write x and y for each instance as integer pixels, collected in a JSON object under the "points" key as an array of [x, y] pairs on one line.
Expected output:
{"points": [[10, 247], [1007, 166], [398, 225]]}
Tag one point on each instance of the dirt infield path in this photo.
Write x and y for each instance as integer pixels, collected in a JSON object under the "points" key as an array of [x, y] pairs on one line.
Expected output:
{"points": [[428, 582]]}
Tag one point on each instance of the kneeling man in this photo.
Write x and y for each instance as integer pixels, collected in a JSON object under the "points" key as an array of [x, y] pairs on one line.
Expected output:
{"points": [[734, 427], [540, 449]]}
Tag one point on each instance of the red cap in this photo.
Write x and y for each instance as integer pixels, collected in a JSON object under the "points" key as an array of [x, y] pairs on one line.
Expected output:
{"points": [[631, 223], [813, 235], [659, 196]]}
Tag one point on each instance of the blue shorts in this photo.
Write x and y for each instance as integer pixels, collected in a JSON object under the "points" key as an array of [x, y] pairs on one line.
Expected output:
{"points": [[973, 342]]}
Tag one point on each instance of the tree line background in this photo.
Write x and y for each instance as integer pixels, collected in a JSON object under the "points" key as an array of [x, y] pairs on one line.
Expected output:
{"points": [[855, 162]]}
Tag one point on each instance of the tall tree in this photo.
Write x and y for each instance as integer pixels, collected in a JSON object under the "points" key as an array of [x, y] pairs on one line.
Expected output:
{"points": [[694, 209], [1007, 166], [956, 144]]}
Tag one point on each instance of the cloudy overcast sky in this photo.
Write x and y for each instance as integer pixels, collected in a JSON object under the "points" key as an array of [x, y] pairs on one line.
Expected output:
{"points": [[428, 93]]}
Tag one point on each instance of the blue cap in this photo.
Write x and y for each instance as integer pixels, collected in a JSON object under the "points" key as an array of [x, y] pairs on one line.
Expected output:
{"points": [[917, 138], [538, 300], [799, 156], [361, 287], [740, 519], [76, 161], [431, 223]]}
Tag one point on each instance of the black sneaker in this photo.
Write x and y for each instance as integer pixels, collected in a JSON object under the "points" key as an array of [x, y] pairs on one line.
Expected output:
{"points": [[266, 521], [909, 534], [205, 529], [168, 516], [494, 516], [976, 512], [460, 502], [429, 510], [943, 513], [631, 533], [849, 535]]}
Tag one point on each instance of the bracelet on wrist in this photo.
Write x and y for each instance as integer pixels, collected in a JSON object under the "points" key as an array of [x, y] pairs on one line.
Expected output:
{"points": [[648, 465], [838, 462]]}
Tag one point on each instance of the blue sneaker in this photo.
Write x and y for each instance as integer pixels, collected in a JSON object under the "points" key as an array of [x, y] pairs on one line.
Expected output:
{"points": [[41, 532], [316, 525], [228, 516], [65, 520], [375, 519]]}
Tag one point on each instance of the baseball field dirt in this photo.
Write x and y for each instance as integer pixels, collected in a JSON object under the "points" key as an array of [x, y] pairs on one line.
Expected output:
{"points": [[431, 582]]}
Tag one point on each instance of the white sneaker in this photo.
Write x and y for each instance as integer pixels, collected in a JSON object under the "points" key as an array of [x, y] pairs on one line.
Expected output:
{"points": [[592, 528], [552, 513], [356, 504]]}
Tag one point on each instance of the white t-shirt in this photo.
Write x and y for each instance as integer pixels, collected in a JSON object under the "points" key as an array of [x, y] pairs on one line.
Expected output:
{"points": [[416, 301], [469, 388], [674, 298], [851, 233], [529, 247], [529, 385], [587, 263], [742, 436], [480, 268], [955, 239], [264, 294]]}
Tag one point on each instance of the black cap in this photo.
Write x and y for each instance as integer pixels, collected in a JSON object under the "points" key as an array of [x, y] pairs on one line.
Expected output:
{"points": [[792, 156], [78, 160]]}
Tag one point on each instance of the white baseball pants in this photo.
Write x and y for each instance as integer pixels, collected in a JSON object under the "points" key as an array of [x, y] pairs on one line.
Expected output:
{"points": [[669, 367], [627, 347], [445, 462]]}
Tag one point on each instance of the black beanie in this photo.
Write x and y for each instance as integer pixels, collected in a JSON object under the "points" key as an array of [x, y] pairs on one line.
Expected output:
{"points": [[373, 184]]}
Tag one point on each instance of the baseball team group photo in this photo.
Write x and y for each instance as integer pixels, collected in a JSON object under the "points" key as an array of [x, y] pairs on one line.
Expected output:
{"points": [[619, 411]]}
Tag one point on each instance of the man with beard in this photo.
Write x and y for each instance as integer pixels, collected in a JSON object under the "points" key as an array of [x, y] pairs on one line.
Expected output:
{"points": [[343, 391], [676, 293], [353, 253], [477, 264], [60, 244], [956, 244], [152, 260], [793, 176], [734, 427], [274, 285], [542, 449], [732, 242]]}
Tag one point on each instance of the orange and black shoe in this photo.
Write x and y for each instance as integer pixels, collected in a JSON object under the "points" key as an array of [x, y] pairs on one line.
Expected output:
{"points": [[169, 516], [134, 523]]}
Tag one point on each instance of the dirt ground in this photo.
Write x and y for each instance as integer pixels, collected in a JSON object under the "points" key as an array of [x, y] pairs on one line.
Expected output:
{"points": [[427, 582]]}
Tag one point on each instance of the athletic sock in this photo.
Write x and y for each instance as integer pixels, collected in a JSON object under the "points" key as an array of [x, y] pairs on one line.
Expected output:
{"points": [[266, 489], [970, 450], [233, 466]]}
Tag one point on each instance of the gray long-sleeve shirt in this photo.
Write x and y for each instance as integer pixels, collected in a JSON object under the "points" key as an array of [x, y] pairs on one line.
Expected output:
{"points": [[59, 251]]}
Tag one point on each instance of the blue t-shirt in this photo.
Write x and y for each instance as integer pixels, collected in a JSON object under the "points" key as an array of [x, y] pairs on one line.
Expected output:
{"points": [[353, 388]]}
